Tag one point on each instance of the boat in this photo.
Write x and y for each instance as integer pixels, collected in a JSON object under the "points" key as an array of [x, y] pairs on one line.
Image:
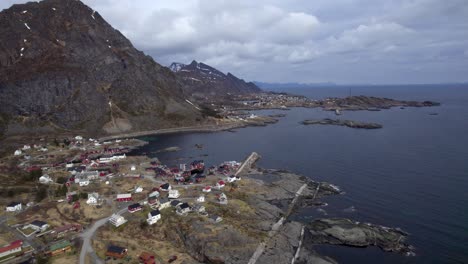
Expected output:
{"points": [[337, 112]]}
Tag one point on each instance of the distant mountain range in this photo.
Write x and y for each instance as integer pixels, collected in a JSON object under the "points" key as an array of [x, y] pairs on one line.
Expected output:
{"points": [[268, 86], [201, 80]]}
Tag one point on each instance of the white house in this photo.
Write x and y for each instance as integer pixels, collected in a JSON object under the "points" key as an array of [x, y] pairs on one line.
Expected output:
{"points": [[207, 189], [82, 181], [216, 219], [133, 167], [45, 179], [183, 209], [38, 225], [138, 189], [44, 149], [154, 194], [153, 217], [164, 203], [222, 198], [117, 220], [18, 152], [93, 198], [201, 199], [78, 138], [13, 207], [26, 147], [174, 194], [231, 178]]}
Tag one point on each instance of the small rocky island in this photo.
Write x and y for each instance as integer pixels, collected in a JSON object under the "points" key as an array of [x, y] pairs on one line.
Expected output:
{"points": [[339, 122], [340, 231]]}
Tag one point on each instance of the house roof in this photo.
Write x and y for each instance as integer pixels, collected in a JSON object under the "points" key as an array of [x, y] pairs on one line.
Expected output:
{"points": [[60, 245], [175, 202], [13, 204], [165, 186], [134, 206], [124, 195], [12, 245], [116, 249], [38, 223], [184, 205], [155, 212]]}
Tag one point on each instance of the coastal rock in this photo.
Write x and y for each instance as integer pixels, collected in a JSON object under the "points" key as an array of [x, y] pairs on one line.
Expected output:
{"points": [[369, 103], [339, 122], [340, 231]]}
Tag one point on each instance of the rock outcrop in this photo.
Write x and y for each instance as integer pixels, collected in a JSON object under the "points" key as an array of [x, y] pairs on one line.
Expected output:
{"points": [[201, 80], [63, 67], [340, 231]]}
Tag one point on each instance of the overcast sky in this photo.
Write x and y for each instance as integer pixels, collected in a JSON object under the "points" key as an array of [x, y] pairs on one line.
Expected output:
{"points": [[343, 41]]}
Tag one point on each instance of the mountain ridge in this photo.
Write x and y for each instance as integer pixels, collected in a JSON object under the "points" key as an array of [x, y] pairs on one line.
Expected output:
{"points": [[200, 79], [63, 67]]}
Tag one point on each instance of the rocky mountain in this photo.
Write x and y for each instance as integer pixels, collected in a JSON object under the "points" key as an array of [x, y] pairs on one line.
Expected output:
{"points": [[63, 67], [202, 80]]}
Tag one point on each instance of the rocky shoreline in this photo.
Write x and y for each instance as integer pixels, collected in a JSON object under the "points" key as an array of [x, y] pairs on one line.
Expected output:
{"points": [[339, 122], [341, 231]]}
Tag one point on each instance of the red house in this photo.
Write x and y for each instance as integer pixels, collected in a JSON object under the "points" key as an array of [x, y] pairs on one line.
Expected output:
{"points": [[147, 258], [13, 247], [134, 207], [126, 197]]}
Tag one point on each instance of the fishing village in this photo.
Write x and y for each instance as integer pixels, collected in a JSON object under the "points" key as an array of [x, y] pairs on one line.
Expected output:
{"points": [[89, 201]]}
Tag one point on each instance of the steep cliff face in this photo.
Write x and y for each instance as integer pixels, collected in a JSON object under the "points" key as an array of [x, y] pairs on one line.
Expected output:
{"points": [[200, 79], [63, 67]]}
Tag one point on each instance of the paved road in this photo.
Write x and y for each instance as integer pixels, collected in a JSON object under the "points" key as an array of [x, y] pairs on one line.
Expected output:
{"points": [[89, 234]]}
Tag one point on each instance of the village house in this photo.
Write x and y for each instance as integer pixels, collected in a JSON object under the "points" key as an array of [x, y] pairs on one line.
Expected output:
{"points": [[61, 231], [26, 147], [207, 189], [59, 248], [153, 194], [153, 202], [45, 179], [117, 220], [165, 187], [125, 197], [175, 203], [174, 194], [134, 207], [164, 203], [37, 225], [146, 258], [216, 218], [153, 217], [12, 248], [138, 189], [116, 252], [82, 181], [201, 199], [93, 199], [220, 184], [222, 198], [13, 207], [18, 152], [90, 175], [183, 209], [198, 208]]}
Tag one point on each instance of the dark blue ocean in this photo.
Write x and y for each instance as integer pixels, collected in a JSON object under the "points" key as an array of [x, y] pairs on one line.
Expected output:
{"points": [[411, 174]]}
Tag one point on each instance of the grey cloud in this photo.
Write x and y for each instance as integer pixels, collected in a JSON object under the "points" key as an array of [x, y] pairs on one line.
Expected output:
{"points": [[300, 40]]}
